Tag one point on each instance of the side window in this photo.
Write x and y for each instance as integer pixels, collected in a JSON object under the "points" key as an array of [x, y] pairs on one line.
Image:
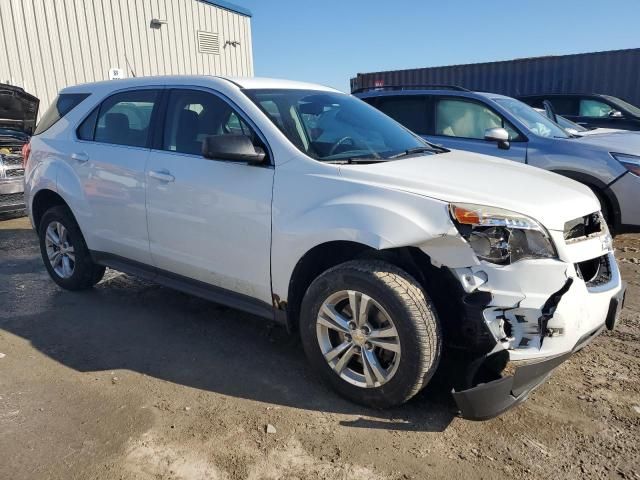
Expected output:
{"points": [[410, 111], [63, 104], [594, 108], [87, 128], [192, 115], [465, 119], [124, 118]]}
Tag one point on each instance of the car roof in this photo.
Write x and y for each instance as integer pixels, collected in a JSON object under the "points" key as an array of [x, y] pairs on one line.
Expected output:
{"points": [[160, 80], [434, 91], [573, 94]]}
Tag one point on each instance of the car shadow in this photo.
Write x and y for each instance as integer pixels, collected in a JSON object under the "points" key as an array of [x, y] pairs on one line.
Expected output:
{"points": [[127, 323]]}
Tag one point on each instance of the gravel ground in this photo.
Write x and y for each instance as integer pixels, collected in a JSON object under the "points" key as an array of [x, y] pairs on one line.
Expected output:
{"points": [[132, 380]]}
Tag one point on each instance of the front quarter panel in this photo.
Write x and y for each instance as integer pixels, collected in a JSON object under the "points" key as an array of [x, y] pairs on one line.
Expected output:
{"points": [[313, 204], [572, 156]]}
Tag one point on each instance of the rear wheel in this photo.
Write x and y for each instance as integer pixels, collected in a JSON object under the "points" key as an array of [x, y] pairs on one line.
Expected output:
{"points": [[371, 331], [64, 251]]}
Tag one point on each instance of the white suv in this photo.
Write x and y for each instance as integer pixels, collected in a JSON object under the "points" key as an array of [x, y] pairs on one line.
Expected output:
{"points": [[299, 203]]}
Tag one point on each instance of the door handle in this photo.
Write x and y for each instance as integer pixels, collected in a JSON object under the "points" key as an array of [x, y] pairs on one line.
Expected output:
{"points": [[80, 157], [162, 175]]}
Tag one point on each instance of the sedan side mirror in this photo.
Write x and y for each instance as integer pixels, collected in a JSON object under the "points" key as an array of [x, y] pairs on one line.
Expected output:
{"points": [[237, 148], [615, 114], [499, 135]]}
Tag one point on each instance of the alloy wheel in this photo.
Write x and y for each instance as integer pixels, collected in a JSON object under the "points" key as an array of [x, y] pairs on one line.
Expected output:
{"points": [[60, 250], [358, 339]]}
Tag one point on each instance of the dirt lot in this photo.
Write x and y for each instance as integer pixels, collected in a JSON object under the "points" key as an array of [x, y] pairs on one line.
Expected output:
{"points": [[132, 380]]}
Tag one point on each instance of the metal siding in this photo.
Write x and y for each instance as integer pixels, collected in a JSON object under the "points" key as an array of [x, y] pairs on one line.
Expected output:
{"points": [[612, 72], [78, 41]]}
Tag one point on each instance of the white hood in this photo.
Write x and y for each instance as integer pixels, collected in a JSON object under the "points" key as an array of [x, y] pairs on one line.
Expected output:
{"points": [[460, 176]]}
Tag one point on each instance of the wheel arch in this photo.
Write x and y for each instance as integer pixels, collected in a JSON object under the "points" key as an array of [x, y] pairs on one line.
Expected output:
{"points": [[42, 201], [327, 255]]}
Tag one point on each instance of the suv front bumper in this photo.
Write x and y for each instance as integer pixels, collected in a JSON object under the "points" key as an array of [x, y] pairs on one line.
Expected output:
{"points": [[12, 195], [490, 399], [520, 321]]}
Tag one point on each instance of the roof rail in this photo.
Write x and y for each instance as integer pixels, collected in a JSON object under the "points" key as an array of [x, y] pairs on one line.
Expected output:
{"points": [[411, 87]]}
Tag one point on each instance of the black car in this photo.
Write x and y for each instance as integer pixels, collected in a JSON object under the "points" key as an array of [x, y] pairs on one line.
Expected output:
{"points": [[591, 110], [18, 113]]}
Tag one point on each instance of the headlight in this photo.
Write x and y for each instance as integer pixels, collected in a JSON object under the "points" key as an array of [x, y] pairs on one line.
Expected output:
{"points": [[501, 236], [630, 162]]}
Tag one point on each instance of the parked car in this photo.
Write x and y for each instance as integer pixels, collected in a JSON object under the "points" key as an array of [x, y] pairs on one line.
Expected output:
{"points": [[590, 110], [573, 128], [18, 113], [505, 127], [304, 205]]}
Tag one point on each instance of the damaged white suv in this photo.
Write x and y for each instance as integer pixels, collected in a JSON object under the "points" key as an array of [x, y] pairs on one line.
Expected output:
{"points": [[301, 204]]}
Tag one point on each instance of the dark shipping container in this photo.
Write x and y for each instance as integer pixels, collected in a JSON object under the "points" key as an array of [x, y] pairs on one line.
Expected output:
{"points": [[615, 72]]}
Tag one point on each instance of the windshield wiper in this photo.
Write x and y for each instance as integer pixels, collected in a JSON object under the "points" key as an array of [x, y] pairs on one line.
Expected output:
{"points": [[352, 160], [416, 150]]}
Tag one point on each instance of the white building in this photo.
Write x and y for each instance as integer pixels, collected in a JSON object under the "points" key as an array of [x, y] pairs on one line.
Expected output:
{"points": [[46, 45]]}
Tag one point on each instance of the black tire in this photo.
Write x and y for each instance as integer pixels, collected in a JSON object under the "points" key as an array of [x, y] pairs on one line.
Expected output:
{"points": [[411, 311], [85, 273]]}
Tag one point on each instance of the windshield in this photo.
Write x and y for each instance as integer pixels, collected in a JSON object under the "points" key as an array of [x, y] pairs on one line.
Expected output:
{"points": [[566, 123], [632, 109], [537, 123], [333, 126]]}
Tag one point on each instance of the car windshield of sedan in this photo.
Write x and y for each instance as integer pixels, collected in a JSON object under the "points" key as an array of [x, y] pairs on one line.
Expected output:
{"points": [[535, 122], [632, 109], [330, 126], [566, 123]]}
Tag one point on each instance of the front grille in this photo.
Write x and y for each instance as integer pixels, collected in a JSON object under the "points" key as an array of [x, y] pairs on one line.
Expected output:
{"points": [[11, 199], [15, 173], [11, 160], [594, 272], [584, 227]]}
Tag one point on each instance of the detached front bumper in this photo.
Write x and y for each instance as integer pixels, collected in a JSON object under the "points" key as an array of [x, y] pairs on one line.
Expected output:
{"points": [[491, 399], [521, 321]]}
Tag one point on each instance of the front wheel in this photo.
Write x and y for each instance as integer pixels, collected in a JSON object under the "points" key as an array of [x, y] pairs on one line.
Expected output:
{"points": [[64, 251], [371, 331]]}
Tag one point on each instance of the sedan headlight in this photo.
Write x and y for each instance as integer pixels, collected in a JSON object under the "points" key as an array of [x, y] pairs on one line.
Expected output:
{"points": [[630, 162], [501, 236]]}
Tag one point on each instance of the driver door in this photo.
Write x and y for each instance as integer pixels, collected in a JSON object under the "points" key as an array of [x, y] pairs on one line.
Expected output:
{"points": [[460, 123], [209, 219]]}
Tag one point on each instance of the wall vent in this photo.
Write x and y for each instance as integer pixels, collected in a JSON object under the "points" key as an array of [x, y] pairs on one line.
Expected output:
{"points": [[208, 43]]}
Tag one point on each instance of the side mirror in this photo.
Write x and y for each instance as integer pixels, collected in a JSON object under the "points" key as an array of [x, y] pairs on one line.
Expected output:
{"points": [[499, 135], [572, 131], [615, 114], [237, 148]]}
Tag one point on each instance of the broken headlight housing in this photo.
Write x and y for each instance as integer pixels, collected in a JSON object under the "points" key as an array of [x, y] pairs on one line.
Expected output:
{"points": [[501, 236]]}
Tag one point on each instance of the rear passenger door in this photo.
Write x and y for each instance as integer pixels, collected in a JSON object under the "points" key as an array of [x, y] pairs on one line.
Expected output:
{"points": [[109, 158], [461, 123], [209, 219], [409, 110]]}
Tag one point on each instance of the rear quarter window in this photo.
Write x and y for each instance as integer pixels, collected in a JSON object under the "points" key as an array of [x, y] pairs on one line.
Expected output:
{"points": [[121, 119], [62, 105]]}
